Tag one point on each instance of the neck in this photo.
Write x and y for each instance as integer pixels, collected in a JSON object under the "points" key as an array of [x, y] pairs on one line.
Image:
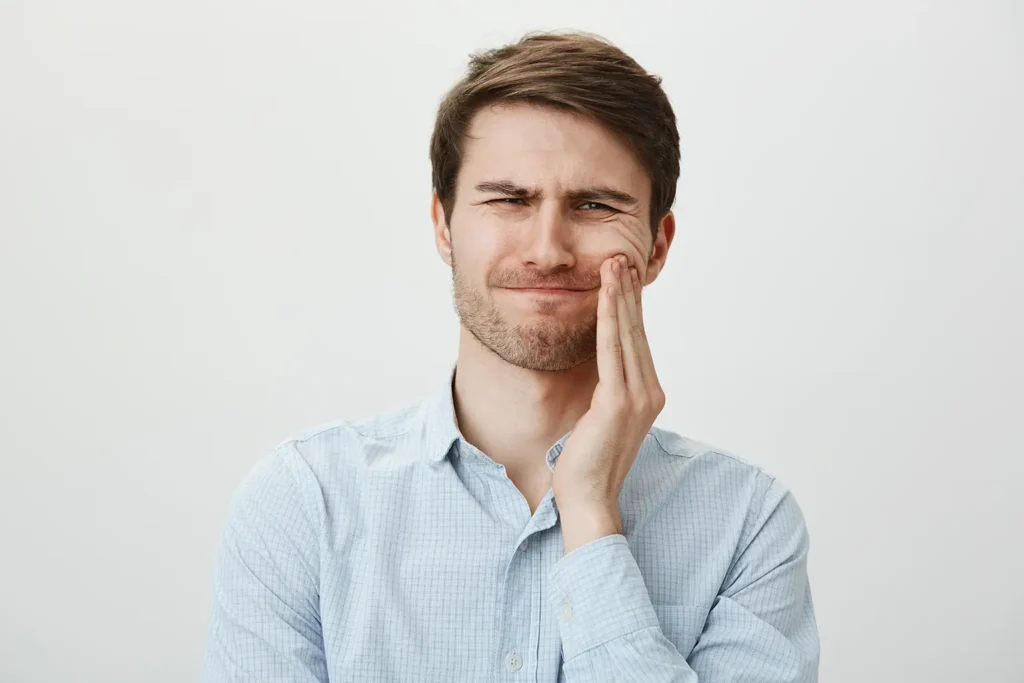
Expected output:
{"points": [[512, 414]]}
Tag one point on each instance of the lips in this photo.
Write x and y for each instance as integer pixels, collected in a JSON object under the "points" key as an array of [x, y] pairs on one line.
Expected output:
{"points": [[551, 294], [546, 289], [550, 289]]}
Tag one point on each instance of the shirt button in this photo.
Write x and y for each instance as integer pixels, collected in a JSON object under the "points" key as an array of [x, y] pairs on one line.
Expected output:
{"points": [[566, 612], [515, 662], [522, 546]]}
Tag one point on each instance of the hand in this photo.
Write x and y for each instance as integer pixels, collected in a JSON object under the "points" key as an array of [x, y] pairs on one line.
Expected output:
{"points": [[604, 442]]}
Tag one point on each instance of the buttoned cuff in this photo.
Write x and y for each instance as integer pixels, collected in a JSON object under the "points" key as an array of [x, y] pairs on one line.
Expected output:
{"points": [[598, 594]]}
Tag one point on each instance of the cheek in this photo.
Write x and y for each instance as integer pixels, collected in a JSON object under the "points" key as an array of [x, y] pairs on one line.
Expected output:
{"points": [[472, 245], [601, 247], [620, 240]]}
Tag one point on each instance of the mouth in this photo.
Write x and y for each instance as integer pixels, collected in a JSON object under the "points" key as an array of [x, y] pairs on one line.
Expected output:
{"points": [[546, 289], [549, 292]]}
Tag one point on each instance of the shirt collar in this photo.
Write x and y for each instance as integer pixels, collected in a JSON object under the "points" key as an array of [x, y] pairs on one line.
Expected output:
{"points": [[440, 427], [440, 430]]}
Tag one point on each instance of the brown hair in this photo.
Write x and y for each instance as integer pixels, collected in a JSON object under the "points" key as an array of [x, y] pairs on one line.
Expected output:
{"points": [[577, 72]]}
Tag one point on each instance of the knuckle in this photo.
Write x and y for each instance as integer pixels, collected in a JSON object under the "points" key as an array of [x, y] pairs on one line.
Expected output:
{"points": [[658, 399]]}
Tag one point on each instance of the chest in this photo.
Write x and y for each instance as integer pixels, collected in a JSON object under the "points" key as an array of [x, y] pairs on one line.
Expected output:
{"points": [[417, 597]]}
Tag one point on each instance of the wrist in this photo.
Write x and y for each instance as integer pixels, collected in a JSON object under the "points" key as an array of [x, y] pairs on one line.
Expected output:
{"points": [[582, 524]]}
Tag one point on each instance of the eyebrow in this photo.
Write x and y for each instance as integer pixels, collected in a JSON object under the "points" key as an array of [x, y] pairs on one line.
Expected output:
{"points": [[600, 193]]}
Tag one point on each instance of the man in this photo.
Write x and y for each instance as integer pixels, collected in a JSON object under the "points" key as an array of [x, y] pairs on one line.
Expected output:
{"points": [[525, 522]]}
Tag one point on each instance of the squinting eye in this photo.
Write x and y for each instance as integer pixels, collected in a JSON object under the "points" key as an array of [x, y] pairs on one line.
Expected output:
{"points": [[600, 207], [506, 200]]}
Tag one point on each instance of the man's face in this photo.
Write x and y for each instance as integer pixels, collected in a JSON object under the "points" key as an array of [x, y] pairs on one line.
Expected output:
{"points": [[520, 221]]}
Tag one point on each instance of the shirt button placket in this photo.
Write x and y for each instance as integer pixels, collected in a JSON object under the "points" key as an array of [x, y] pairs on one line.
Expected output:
{"points": [[515, 662]]}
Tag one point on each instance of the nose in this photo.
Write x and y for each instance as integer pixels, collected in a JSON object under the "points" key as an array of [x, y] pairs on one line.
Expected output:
{"points": [[547, 241]]}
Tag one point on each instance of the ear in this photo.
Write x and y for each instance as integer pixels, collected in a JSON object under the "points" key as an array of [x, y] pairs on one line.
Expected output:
{"points": [[659, 251], [442, 233]]}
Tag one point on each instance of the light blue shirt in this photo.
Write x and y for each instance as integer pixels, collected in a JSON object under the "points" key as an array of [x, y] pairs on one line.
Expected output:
{"points": [[390, 549]]}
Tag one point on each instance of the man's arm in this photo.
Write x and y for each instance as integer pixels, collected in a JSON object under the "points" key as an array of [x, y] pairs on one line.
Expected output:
{"points": [[264, 615], [760, 628]]}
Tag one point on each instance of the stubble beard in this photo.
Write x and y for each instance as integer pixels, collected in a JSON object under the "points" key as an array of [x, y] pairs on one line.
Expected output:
{"points": [[546, 343]]}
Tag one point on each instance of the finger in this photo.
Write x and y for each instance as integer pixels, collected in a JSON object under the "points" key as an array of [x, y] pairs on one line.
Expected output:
{"points": [[633, 300], [627, 290], [632, 371], [609, 347], [638, 292], [646, 360]]}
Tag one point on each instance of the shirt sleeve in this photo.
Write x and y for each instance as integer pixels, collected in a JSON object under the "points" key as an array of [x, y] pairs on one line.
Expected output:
{"points": [[761, 626], [264, 615]]}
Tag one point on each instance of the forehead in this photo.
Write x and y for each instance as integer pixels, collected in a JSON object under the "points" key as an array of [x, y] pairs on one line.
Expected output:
{"points": [[542, 146]]}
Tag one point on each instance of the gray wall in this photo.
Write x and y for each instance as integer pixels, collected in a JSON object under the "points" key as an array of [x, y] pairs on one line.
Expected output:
{"points": [[202, 201]]}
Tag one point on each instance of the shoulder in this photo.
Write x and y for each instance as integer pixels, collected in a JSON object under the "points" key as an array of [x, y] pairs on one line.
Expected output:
{"points": [[726, 499], [295, 484], [719, 478], [331, 455], [710, 477], [379, 426], [706, 462]]}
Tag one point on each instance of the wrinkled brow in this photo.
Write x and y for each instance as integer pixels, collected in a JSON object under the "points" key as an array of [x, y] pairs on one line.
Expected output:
{"points": [[598, 193]]}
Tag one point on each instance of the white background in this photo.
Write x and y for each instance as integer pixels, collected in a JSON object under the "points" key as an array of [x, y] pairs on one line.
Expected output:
{"points": [[215, 234]]}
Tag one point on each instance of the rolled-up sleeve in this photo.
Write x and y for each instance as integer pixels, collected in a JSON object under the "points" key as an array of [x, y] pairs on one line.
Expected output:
{"points": [[760, 628], [264, 614]]}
